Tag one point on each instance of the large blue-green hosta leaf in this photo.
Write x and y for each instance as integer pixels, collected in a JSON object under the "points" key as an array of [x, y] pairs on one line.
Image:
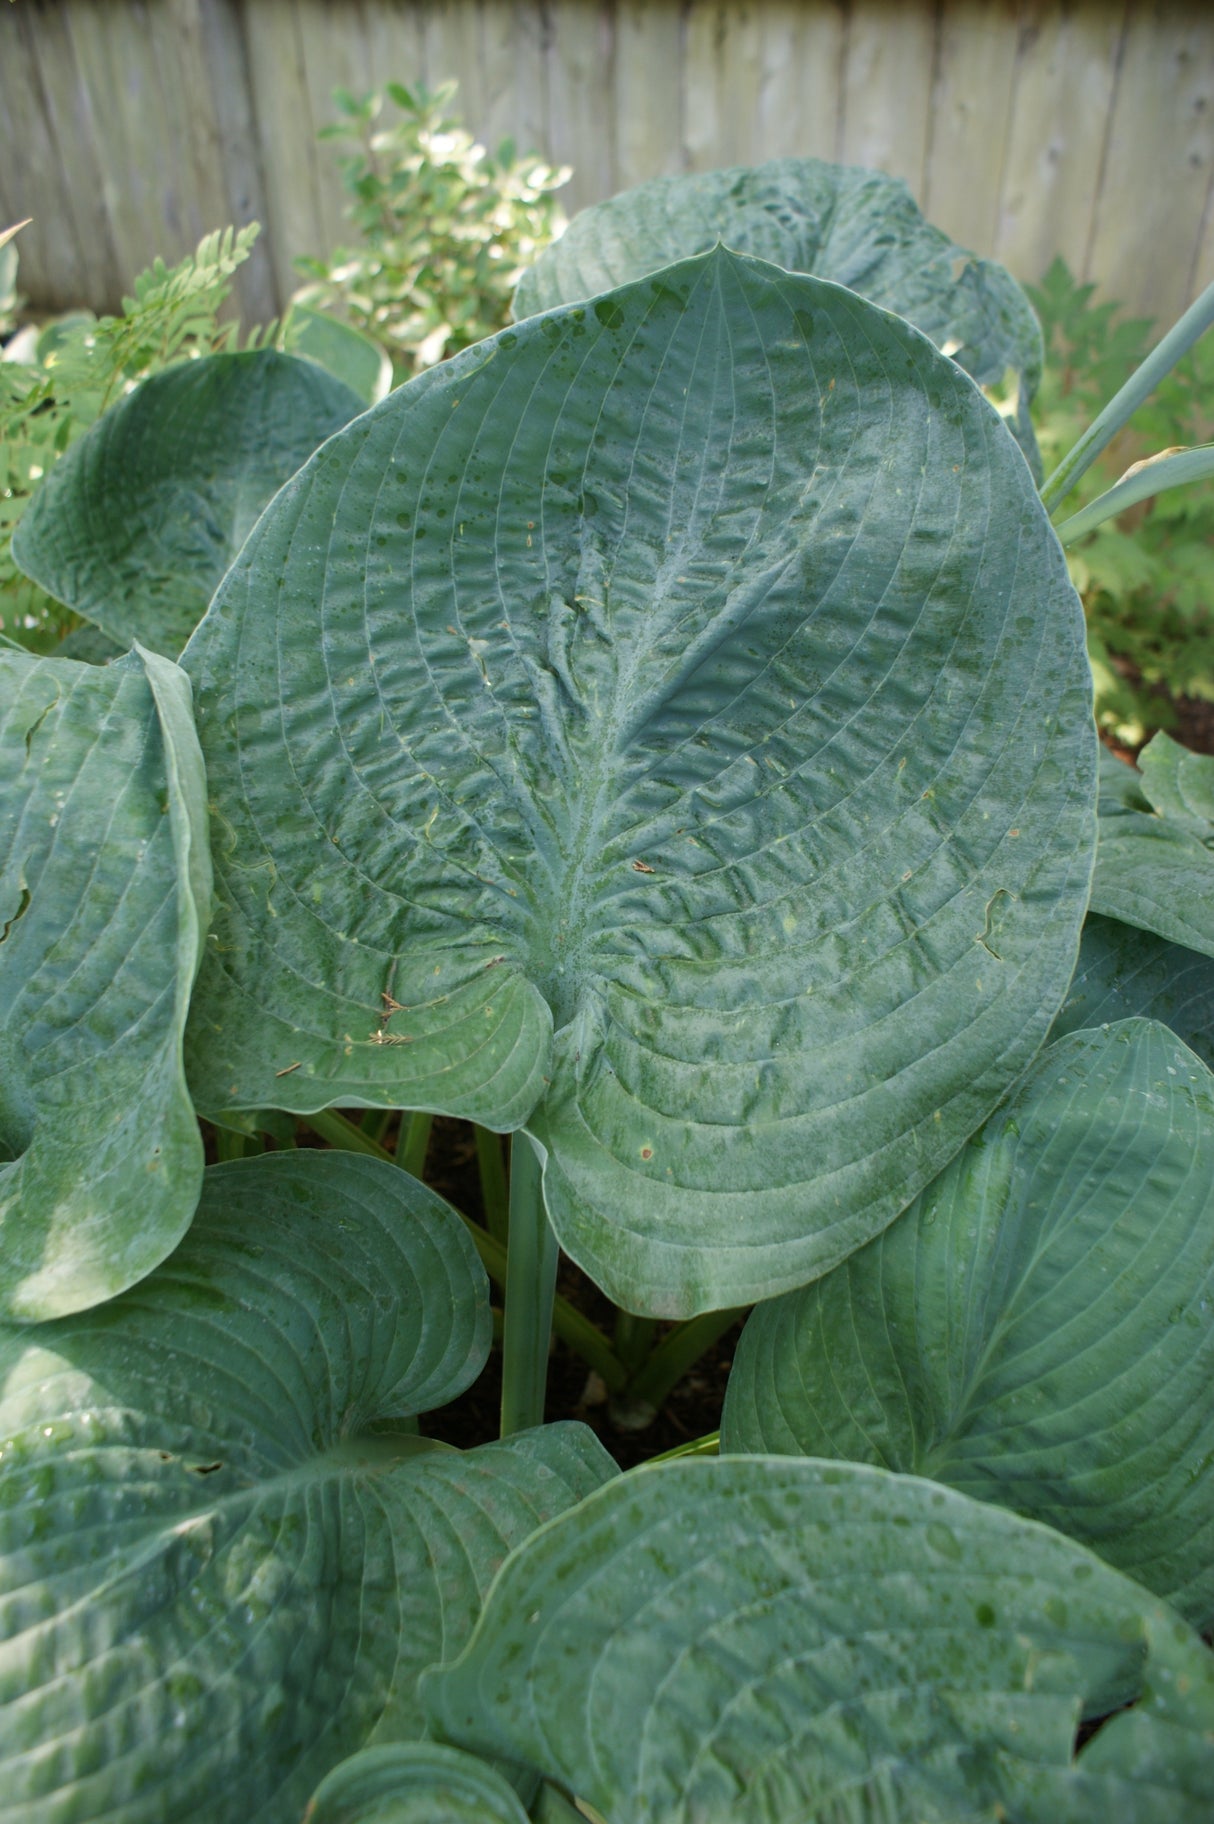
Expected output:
{"points": [[1123, 971], [224, 1559], [752, 1641], [136, 524], [414, 1783], [860, 228], [1038, 1328], [1155, 863], [667, 725], [105, 883]]}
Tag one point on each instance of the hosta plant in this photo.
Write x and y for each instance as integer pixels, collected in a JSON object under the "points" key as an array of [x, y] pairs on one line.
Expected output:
{"points": [[662, 734]]}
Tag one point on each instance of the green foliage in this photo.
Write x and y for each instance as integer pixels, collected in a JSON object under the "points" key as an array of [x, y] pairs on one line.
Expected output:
{"points": [[1145, 578], [56, 382], [662, 732], [683, 1079], [445, 229]]}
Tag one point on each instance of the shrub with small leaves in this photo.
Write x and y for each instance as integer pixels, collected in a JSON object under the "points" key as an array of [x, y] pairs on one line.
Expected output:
{"points": [[445, 229]]}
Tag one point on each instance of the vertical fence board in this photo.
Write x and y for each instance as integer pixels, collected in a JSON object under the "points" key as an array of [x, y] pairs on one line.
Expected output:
{"points": [[1026, 127], [800, 55], [722, 83], [395, 42], [288, 148], [971, 109], [1158, 162], [648, 99], [514, 54], [581, 90], [76, 233], [222, 45], [887, 89], [1065, 76], [333, 57], [452, 41]]}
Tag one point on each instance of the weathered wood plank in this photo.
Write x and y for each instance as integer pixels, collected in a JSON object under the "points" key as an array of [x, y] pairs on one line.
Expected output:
{"points": [[333, 56], [648, 99], [1065, 72], [453, 52], [801, 60], [1026, 127], [722, 81], [971, 118], [885, 118], [581, 95], [289, 153], [222, 46], [395, 41], [1158, 162], [57, 169], [514, 77]]}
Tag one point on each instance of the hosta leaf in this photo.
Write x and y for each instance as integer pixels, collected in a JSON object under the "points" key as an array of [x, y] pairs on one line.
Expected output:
{"points": [[414, 1783], [105, 887], [224, 1560], [1038, 1329], [747, 1641], [668, 673], [341, 349], [136, 524], [1123, 971], [856, 227], [1155, 861], [1179, 784]]}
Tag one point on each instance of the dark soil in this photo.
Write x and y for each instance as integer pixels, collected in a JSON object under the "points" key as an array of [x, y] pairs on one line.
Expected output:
{"points": [[1195, 728]]}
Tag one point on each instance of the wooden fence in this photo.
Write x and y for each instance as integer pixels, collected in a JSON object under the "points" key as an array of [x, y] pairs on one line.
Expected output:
{"points": [[1024, 127]]}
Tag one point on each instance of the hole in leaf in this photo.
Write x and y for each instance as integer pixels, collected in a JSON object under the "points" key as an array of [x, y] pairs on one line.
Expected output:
{"points": [[22, 909], [36, 724], [203, 1469]]}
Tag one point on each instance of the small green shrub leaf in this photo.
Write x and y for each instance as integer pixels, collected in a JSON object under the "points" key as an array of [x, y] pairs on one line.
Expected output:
{"points": [[859, 228], [135, 525], [341, 349], [751, 1640], [1155, 860], [561, 694], [224, 1558], [1038, 1328], [105, 886], [1123, 971], [414, 1783]]}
